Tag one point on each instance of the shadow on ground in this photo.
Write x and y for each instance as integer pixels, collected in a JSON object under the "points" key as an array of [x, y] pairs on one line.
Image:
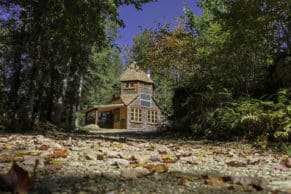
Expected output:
{"points": [[99, 183]]}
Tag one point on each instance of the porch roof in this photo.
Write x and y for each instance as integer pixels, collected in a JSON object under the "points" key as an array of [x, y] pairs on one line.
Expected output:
{"points": [[103, 108]]}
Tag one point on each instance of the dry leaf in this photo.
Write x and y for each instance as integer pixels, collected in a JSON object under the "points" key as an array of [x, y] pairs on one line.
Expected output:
{"points": [[58, 153], [117, 145], [151, 147], [216, 181], [200, 154], [6, 158], [236, 163], [184, 182], [159, 168], [17, 179], [100, 157]]}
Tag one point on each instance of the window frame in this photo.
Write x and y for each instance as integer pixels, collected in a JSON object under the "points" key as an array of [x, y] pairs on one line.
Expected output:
{"points": [[136, 115], [152, 116], [129, 86], [145, 100]]}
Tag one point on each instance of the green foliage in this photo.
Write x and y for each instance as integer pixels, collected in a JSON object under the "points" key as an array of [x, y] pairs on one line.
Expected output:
{"points": [[46, 58], [241, 58], [253, 118], [102, 80]]}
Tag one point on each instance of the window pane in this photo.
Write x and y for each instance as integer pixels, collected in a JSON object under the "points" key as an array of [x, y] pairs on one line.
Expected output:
{"points": [[145, 103], [145, 97]]}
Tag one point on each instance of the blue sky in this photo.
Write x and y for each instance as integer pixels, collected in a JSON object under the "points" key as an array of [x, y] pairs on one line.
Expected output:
{"points": [[162, 11]]}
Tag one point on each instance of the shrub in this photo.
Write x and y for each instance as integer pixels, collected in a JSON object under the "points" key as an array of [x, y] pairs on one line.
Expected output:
{"points": [[252, 118]]}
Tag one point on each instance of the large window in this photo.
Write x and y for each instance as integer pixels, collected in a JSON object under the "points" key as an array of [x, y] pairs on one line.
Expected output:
{"points": [[136, 115], [152, 116], [145, 98]]}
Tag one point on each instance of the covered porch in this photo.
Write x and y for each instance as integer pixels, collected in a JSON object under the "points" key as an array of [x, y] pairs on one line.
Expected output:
{"points": [[107, 116]]}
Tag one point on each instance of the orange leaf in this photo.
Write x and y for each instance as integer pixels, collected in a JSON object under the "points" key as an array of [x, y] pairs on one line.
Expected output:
{"points": [[58, 153], [160, 168]]}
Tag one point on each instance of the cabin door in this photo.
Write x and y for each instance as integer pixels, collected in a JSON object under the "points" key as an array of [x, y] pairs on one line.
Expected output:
{"points": [[116, 114]]}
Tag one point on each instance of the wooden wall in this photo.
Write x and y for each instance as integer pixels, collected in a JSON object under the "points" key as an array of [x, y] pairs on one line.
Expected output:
{"points": [[144, 123]]}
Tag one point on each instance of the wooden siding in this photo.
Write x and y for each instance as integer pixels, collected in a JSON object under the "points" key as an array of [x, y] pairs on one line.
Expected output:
{"points": [[121, 117], [144, 123]]}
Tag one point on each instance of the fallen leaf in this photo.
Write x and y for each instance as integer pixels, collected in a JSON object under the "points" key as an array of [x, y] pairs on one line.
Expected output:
{"points": [[100, 157], [159, 168], [151, 147], [234, 163], [168, 158], [17, 179], [170, 161], [6, 158], [216, 181], [58, 153], [117, 145], [180, 155], [253, 161], [21, 154], [200, 154], [184, 182]]}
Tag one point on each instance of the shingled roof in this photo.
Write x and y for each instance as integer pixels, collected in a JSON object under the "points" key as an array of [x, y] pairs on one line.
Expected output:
{"points": [[134, 73]]}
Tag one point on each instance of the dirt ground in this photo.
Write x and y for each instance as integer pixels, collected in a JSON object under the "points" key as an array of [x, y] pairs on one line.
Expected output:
{"points": [[113, 161]]}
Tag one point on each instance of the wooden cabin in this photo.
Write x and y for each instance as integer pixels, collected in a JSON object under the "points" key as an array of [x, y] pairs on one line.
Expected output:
{"points": [[134, 108]]}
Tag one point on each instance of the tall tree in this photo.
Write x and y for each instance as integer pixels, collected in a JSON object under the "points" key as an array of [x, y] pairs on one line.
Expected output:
{"points": [[50, 44]]}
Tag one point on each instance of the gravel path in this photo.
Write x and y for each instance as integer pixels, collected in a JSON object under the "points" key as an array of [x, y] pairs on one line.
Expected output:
{"points": [[102, 163]]}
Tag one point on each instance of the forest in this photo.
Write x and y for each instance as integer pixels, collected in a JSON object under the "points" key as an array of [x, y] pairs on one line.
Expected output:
{"points": [[222, 79], [224, 74]]}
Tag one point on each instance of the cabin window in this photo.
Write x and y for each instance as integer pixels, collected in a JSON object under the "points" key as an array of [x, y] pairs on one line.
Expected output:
{"points": [[152, 116], [136, 115], [129, 86], [145, 98]]}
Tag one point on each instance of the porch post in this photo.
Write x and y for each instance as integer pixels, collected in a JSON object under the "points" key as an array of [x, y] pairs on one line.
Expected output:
{"points": [[96, 117]]}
